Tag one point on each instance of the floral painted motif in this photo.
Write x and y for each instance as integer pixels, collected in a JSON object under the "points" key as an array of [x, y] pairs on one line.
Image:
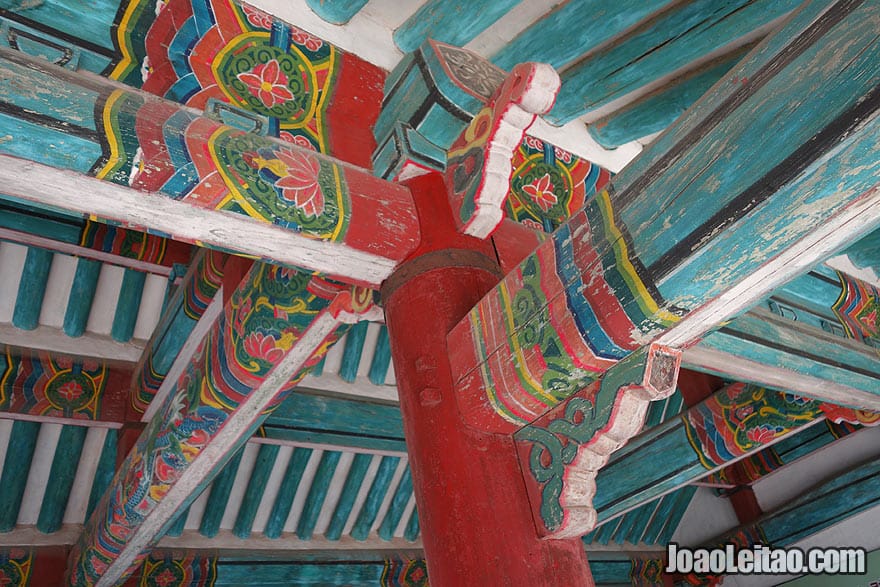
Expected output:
{"points": [[300, 37], [258, 18], [549, 184], [300, 182], [268, 83], [541, 192], [263, 346], [743, 418]]}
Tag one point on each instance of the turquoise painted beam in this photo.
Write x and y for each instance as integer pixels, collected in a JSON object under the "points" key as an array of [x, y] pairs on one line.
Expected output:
{"points": [[450, 21], [402, 495], [19, 456], [621, 534], [411, 532], [667, 515], [574, 28], [355, 440], [695, 446], [82, 294], [304, 573], [674, 265], [347, 496], [381, 358], [675, 38], [660, 108], [105, 470], [372, 503], [642, 516], [34, 220], [32, 289], [606, 532], [256, 486], [128, 305], [317, 494], [316, 414], [821, 506], [352, 351], [336, 11], [286, 492], [61, 476], [829, 503], [215, 507]]}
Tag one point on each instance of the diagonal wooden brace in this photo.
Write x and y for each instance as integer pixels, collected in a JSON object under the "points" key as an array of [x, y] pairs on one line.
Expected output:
{"points": [[561, 452]]}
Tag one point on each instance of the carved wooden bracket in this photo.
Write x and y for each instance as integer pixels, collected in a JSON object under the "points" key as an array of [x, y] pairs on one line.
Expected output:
{"points": [[561, 452], [478, 164]]}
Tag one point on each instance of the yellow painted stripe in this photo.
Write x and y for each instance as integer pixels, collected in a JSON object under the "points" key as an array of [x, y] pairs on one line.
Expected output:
{"points": [[625, 266]]}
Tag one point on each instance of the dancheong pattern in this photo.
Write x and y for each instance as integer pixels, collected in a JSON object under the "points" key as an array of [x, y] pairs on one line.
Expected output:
{"points": [[262, 321], [220, 56], [169, 571], [196, 294], [405, 573], [550, 184], [858, 308], [42, 386], [743, 418], [15, 567], [563, 317]]}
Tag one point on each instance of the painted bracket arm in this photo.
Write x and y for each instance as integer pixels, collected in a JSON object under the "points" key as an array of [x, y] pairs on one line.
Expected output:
{"points": [[478, 166], [562, 451], [275, 326]]}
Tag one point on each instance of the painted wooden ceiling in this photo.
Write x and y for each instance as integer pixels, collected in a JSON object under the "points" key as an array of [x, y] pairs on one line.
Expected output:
{"points": [[328, 471]]}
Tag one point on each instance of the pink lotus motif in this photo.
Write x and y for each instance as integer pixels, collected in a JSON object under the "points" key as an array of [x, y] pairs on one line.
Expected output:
{"points": [[298, 140], [760, 434], [70, 391], [268, 83], [300, 37], [263, 346], [300, 185], [532, 224], [258, 18], [165, 578], [541, 191]]}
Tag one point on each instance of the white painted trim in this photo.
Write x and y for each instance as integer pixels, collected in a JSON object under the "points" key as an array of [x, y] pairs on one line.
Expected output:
{"points": [[302, 491], [48, 186], [38, 476], [106, 300], [361, 387], [90, 345], [270, 494], [5, 434], [57, 291], [59, 420], [29, 536], [28, 239], [334, 492], [12, 258], [777, 378], [404, 518], [227, 543], [150, 311], [239, 485], [230, 434], [78, 501], [854, 221], [366, 484], [185, 356], [389, 495]]}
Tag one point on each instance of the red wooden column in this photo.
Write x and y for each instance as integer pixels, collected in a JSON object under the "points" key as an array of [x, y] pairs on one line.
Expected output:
{"points": [[477, 528]]}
